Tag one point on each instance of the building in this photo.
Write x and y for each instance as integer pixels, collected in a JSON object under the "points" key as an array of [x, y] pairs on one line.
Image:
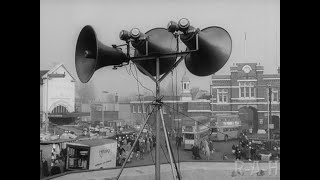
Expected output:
{"points": [[110, 114], [174, 108], [57, 96], [245, 92]]}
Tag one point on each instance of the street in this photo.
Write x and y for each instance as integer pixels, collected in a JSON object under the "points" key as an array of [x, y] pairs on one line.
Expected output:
{"points": [[221, 148]]}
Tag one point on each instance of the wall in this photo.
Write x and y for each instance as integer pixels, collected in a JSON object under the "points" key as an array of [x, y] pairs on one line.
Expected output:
{"points": [[125, 112], [61, 91], [260, 102], [41, 97]]}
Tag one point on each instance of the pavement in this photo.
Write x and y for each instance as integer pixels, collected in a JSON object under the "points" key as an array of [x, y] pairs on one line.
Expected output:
{"points": [[189, 171]]}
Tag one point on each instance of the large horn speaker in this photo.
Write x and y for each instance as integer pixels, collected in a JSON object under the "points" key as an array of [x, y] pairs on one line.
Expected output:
{"points": [[92, 55], [215, 47], [160, 41]]}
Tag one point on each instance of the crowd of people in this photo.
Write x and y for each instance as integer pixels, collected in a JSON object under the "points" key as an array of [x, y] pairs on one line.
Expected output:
{"points": [[245, 149], [205, 146], [251, 150], [145, 144]]}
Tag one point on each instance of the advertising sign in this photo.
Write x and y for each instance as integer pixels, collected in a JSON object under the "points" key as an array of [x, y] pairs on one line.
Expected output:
{"points": [[103, 156]]}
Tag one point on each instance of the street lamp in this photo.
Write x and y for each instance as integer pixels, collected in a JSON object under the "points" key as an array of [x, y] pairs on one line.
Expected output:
{"points": [[46, 111], [102, 110]]}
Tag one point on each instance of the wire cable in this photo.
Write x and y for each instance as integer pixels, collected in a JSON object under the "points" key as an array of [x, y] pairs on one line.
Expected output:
{"points": [[164, 154], [193, 119], [139, 81]]}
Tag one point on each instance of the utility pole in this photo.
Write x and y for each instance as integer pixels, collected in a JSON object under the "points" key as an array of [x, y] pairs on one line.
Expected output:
{"points": [[269, 93], [270, 110]]}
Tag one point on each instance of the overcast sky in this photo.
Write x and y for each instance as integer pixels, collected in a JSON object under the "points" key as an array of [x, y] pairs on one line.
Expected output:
{"points": [[62, 20]]}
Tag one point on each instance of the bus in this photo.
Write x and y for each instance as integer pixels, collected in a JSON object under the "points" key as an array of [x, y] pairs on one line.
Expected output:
{"points": [[195, 131], [225, 127]]}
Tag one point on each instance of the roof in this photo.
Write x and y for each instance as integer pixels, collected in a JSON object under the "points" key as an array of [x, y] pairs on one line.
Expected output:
{"points": [[74, 129], [221, 76], [185, 79], [271, 76], [59, 65], [42, 72], [152, 98], [201, 119], [57, 141], [93, 142]]}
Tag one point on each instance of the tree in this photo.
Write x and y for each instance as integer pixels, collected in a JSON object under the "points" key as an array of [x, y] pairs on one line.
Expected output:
{"points": [[194, 91]]}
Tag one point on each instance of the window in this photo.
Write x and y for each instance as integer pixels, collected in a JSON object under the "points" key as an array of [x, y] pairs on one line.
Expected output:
{"points": [[59, 109], [275, 95], [247, 90], [184, 86], [133, 108], [189, 136], [139, 108], [146, 106], [164, 110], [222, 95]]}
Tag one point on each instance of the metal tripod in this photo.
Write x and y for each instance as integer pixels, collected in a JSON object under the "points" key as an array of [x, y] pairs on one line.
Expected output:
{"points": [[159, 117]]}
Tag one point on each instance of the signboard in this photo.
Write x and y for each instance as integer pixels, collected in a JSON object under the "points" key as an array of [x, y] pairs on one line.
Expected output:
{"points": [[103, 156], [230, 123], [271, 126], [187, 129]]}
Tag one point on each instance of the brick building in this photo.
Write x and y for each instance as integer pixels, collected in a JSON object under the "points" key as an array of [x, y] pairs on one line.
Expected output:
{"points": [[183, 103], [245, 92]]}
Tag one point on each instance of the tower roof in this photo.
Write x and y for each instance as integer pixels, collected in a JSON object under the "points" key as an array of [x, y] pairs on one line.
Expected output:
{"points": [[185, 79]]}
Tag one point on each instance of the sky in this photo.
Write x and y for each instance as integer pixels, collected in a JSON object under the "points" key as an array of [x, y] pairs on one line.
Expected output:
{"points": [[62, 20]]}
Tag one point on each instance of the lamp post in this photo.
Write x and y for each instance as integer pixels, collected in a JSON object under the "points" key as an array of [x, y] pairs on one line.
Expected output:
{"points": [[102, 110], [46, 109]]}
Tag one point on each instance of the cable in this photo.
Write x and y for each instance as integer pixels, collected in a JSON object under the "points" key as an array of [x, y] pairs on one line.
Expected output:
{"points": [[193, 119], [139, 81], [127, 70], [165, 154], [178, 110]]}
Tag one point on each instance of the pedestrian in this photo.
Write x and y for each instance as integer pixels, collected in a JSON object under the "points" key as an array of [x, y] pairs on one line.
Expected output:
{"points": [[180, 141], [195, 151], [148, 145], [238, 153], [207, 149], [154, 140], [177, 140], [211, 147], [151, 143], [233, 149], [137, 149], [45, 169], [55, 169]]}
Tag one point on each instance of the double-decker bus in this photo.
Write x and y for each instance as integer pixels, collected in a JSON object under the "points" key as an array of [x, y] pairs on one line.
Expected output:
{"points": [[224, 127], [195, 131]]}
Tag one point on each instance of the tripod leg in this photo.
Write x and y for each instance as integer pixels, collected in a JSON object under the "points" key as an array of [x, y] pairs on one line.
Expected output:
{"points": [[134, 144], [168, 144]]}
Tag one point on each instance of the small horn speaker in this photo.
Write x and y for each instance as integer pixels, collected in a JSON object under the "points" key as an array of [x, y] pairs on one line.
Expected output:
{"points": [[92, 55], [160, 41], [215, 47]]}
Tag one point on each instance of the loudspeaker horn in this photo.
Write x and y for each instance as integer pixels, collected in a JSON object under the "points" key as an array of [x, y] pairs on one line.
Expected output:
{"points": [[160, 41], [214, 50], [92, 55]]}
